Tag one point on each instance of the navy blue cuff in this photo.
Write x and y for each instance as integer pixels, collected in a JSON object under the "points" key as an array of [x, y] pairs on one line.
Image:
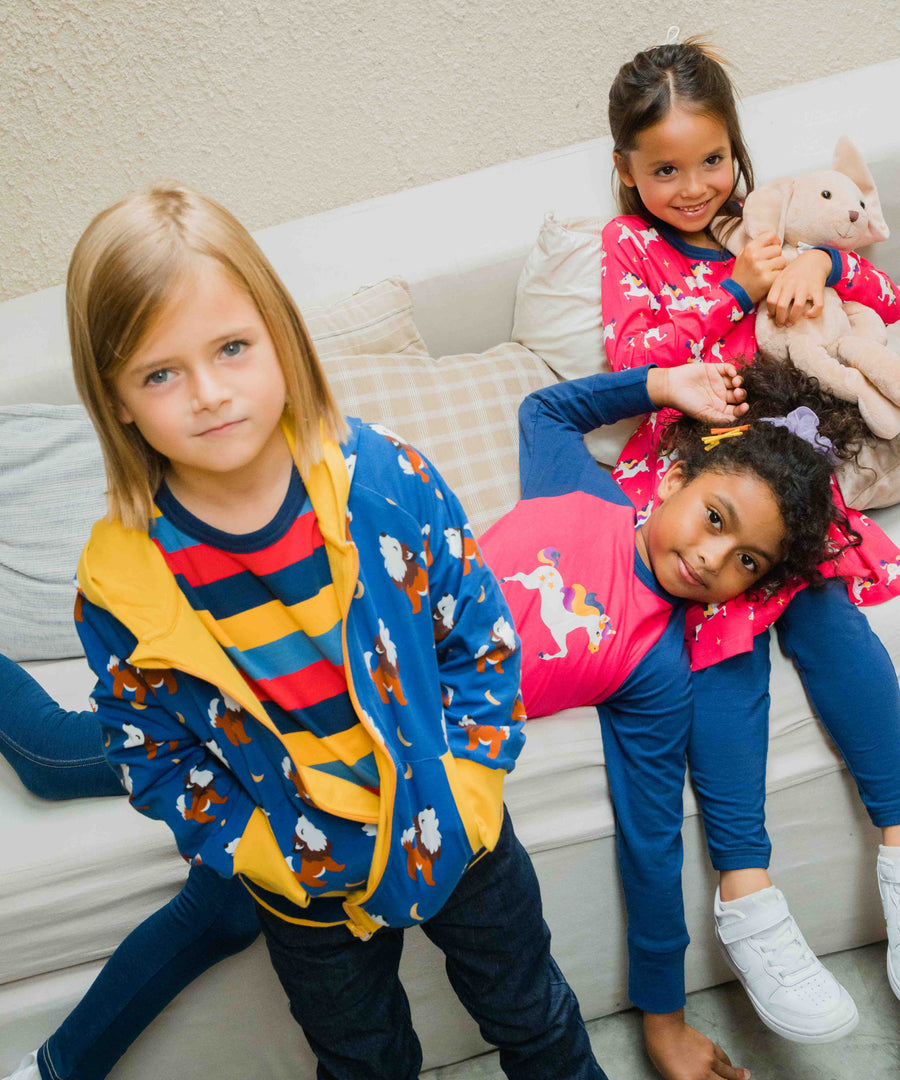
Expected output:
{"points": [[656, 980], [737, 291], [837, 267]]}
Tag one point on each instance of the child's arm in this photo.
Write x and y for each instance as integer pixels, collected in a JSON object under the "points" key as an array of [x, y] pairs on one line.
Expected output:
{"points": [[553, 459], [854, 278], [800, 289], [641, 326], [168, 772]]}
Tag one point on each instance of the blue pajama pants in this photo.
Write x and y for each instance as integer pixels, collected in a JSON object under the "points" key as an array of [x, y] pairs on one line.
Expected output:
{"points": [[852, 685]]}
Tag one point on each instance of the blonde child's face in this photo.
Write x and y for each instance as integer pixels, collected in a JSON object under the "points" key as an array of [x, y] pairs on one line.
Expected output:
{"points": [[682, 168], [205, 387], [710, 539]]}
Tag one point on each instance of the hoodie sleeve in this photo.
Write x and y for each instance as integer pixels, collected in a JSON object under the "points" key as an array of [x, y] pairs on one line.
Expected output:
{"points": [[168, 771], [476, 643]]}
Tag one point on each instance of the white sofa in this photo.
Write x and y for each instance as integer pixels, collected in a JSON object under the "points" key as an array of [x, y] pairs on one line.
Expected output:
{"points": [[76, 876]]}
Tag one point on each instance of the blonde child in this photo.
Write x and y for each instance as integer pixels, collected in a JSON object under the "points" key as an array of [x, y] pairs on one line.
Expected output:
{"points": [[264, 686], [672, 295]]}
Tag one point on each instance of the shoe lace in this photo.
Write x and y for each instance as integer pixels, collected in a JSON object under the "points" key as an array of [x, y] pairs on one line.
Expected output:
{"points": [[787, 942]]}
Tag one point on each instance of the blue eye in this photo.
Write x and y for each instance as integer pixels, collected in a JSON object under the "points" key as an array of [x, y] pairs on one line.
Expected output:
{"points": [[233, 348], [158, 378]]}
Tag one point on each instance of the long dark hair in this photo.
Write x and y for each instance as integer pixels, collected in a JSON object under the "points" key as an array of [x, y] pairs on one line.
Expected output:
{"points": [[647, 88], [798, 474]]}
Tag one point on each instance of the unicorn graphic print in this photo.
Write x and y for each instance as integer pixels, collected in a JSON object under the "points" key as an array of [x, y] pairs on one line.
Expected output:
{"points": [[564, 608]]}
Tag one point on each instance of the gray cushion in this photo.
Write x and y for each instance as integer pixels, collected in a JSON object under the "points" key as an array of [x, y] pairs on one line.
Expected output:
{"points": [[52, 486]]}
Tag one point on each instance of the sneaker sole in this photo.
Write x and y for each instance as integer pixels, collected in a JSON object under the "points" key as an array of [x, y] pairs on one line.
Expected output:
{"points": [[832, 1035], [892, 978]]}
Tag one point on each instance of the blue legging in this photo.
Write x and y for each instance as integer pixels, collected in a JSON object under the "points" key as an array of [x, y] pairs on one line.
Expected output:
{"points": [[852, 685], [57, 755]]}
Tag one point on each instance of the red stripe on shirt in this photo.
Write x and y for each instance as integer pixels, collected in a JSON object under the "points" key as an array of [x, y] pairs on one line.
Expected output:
{"points": [[202, 565], [301, 689]]}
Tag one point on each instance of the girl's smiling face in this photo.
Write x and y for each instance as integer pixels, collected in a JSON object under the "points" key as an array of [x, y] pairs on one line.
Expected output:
{"points": [[683, 170]]}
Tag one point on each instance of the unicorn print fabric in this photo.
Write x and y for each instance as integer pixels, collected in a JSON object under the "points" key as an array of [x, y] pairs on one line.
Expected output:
{"points": [[668, 302]]}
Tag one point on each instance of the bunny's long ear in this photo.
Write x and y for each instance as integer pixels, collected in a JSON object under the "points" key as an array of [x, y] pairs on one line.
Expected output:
{"points": [[848, 160]]}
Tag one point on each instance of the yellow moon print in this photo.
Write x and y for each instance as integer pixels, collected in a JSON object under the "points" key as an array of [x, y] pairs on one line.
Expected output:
{"points": [[180, 718], [259, 778], [439, 494], [415, 913], [491, 697], [138, 705], [408, 772], [360, 589], [106, 743], [481, 595], [400, 737]]}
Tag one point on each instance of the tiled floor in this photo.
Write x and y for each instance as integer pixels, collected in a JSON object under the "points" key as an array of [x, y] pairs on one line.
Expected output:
{"points": [[872, 1052]]}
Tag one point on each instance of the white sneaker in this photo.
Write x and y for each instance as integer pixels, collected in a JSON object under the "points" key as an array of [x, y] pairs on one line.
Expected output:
{"points": [[889, 887], [793, 993], [28, 1068]]}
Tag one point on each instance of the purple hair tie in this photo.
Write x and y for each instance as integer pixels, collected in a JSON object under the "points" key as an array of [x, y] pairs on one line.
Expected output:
{"points": [[804, 423]]}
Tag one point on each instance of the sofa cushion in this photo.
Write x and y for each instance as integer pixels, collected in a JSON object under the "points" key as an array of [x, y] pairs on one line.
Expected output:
{"points": [[34, 344], [375, 319], [461, 411], [52, 485], [558, 313]]}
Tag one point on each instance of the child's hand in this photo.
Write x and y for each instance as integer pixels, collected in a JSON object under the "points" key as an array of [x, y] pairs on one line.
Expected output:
{"points": [[680, 1052], [800, 288], [758, 265], [710, 392]]}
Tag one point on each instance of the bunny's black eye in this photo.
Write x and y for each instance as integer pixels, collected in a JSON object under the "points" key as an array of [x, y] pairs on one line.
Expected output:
{"points": [[862, 204], [826, 194]]}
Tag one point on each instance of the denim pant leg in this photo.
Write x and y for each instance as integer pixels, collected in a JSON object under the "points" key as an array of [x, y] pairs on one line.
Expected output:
{"points": [[211, 918], [56, 754], [852, 685], [497, 948], [347, 997], [727, 754]]}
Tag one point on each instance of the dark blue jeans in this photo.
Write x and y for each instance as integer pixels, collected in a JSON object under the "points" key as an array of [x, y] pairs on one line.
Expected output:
{"points": [[57, 755], [211, 918], [347, 996]]}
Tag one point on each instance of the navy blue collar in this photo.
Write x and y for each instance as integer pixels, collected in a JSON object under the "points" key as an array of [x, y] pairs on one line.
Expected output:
{"points": [[691, 251]]}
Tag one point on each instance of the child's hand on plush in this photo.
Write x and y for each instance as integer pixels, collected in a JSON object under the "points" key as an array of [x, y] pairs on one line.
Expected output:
{"points": [[710, 392], [799, 290], [758, 265], [680, 1052]]}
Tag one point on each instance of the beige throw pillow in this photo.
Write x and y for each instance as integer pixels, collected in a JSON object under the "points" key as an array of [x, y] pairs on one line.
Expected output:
{"points": [[375, 319], [460, 411], [558, 313]]}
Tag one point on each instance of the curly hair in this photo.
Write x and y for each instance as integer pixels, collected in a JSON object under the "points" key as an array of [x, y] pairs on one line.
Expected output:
{"points": [[798, 474]]}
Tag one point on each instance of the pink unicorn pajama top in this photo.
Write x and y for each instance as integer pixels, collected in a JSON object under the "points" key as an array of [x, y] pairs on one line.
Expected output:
{"points": [[667, 302], [596, 628]]}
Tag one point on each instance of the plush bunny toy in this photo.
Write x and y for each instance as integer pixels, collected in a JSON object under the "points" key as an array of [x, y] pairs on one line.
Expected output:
{"points": [[844, 347]]}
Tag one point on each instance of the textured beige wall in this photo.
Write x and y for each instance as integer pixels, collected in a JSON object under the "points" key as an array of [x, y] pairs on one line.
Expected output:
{"points": [[281, 108]]}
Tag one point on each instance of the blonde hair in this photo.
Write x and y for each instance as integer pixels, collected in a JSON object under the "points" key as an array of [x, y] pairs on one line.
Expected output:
{"points": [[121, 277]]}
